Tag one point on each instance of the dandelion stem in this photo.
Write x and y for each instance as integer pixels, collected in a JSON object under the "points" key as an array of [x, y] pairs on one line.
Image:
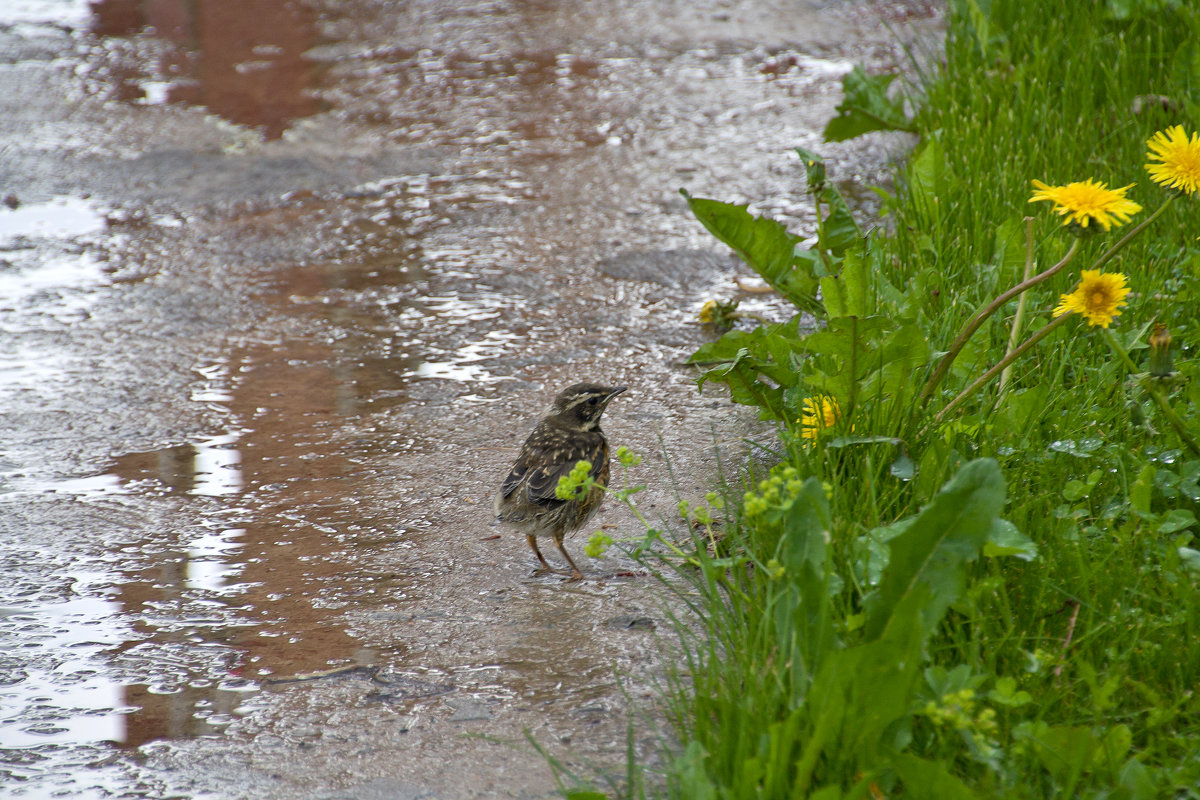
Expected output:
{"points": [[1019, 319], [983, 379], [981, 316], [759, 318], [1134, 231], [1163, 405]]}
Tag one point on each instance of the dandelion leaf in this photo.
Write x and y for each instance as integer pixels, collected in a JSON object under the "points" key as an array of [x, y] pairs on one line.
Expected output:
{"points": [[866, 107], [923, 778], [846, 294], [926, 570], [764, 244]]}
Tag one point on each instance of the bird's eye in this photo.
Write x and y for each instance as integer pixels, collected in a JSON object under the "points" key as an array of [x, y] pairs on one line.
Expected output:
{"points": [[593, 400]]}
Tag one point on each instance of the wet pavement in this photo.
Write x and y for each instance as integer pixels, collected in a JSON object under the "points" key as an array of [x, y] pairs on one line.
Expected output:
{"points": [[283, 286]]}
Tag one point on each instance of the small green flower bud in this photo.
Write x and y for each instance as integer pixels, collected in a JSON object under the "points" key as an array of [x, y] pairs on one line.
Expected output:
{"points": [[1161, 363]]}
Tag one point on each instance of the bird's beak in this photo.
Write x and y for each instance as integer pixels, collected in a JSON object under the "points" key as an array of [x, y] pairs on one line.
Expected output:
{"points": [[616, 390]]}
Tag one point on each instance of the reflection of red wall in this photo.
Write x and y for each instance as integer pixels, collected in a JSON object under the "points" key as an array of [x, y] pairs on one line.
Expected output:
{"points": [[249, 67], [285, 399]]}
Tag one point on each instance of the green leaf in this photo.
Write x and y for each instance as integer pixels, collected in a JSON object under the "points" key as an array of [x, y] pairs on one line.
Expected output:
{"points": [[1142, 489], [923, 778], [844, 348], [1074, 490], [926, 570], [814, 169], [805, 527], [1190, 559], [1005, 539], [1065, 752], [1176, 520], [865, 107], [1006, 693], [845, 294], [929, 179], [764, 244], [1138, 781], [903, 353], [839, 230], [1009, 266]]}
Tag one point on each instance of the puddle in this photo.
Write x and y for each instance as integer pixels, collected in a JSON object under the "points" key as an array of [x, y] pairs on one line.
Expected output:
{"points": [[245, 582], [68, 13], [245, 62]]}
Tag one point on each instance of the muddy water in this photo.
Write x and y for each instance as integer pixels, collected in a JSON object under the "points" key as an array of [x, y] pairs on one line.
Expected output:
{"points": [[282, 292]]}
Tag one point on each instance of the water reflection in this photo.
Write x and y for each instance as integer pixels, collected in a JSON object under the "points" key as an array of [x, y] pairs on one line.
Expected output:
{"points": [[246, 575], [243, 61]]}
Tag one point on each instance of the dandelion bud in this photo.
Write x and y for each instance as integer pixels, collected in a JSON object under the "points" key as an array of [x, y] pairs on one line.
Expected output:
{"points": [[816, 174], [1161, 364]]}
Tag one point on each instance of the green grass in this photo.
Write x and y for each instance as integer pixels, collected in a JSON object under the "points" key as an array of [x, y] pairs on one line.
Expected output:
{"points": [[1036, 630]]}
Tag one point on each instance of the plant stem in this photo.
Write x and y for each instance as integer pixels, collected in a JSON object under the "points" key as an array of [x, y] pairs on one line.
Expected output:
{"points": [[981, 316], [1019, 319], [1124, 240], [1000, 366], [1163, 405], [821, 235], [759, 318]]}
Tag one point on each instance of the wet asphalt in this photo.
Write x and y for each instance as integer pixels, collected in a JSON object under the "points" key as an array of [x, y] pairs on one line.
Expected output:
{"points": [[283, 287]]}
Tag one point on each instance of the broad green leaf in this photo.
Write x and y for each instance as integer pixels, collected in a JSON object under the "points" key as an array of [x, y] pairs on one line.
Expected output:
{"points": [[1142, 489], [844, 354], [1176, 520], [805, 529], [839, 230], [1117, 742], [764, 244], [861, 692], [1074, 490], [926, 570], [1065, 752], [928, 177], [903, 353], [1006, 693], [742, 359], [873, 551], [846, 294], [923, 778], [866, 107], [1005, 539], [1136, 779]]}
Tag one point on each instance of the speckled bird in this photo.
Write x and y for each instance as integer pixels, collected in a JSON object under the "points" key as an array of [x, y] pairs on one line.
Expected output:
{"points": [[570, 433]]}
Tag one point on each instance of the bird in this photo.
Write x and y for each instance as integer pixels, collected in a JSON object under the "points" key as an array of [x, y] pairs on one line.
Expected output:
{"points": [[568, 434]]}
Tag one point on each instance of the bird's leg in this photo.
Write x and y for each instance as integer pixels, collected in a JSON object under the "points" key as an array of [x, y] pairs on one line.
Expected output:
{"points": [[533, 543], [576, 575]]}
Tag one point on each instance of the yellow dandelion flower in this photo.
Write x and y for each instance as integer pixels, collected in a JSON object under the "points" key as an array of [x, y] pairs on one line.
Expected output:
{"points": [[1098, 297], [708, 312], [819, 413], [1179, 158], [1087, 202]]}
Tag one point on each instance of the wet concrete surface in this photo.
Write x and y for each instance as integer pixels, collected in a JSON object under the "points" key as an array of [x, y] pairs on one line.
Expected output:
{"points": [[282, 292]]}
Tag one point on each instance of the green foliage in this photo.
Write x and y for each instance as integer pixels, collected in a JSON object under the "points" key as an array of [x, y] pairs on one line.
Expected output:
{"points": [[870, 623], [866, 107], [841, 699]]}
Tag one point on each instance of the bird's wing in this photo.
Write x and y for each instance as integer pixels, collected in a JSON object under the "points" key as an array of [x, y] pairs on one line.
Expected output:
{"points": [[515, 476], [556, 462]]}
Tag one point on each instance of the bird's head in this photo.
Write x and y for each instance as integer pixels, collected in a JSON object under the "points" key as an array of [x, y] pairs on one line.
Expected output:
{"points": [[579, 407]]}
